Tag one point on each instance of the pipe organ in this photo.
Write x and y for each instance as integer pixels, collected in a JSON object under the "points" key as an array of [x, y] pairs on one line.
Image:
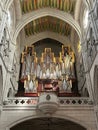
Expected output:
{"points": [[47, 73]]}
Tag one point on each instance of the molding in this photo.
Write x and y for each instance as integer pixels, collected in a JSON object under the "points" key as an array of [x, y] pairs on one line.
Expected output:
{"points": [[77, 9]]}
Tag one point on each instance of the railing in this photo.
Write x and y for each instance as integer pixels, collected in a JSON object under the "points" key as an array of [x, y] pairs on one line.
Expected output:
{"points": [[21, 101], [32, 102], [75, 101]]}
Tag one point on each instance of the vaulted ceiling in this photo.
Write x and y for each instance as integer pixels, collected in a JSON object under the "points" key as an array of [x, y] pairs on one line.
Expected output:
{"points": [[47, 23], [40, 19], [37, 16], [31, 5]]}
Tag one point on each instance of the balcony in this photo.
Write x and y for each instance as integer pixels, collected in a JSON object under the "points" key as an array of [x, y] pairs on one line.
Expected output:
{"points": [[27, 103]]}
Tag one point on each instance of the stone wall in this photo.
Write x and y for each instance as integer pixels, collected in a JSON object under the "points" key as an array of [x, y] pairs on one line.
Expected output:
{"points": [[90, 52], [7, 47], [81, 115]]}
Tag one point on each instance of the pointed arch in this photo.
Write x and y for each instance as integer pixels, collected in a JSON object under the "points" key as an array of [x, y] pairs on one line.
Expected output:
{"points": [[46, 12], [78, 122]]}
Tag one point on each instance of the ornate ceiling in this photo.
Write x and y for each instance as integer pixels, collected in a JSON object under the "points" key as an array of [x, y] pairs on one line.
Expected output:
{"points": [[47, 23], [31, 5], [33, 17], [38, 16]]}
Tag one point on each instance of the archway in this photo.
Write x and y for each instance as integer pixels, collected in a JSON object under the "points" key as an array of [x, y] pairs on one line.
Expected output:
{"points": [[47, 34], [42, 13], [47, 123]]}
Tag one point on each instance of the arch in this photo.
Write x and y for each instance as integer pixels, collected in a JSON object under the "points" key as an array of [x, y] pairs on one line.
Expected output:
{"points": [[46, 12], [78, 122], [47, 34], [95, 79], [77, 9]]}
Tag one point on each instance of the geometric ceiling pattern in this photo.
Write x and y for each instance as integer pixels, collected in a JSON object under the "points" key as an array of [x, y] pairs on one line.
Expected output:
{"points": [[47, 23], [64, 5]]}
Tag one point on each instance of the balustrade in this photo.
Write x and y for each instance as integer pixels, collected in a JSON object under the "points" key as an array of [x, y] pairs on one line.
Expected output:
{"points": [[33, 101]]}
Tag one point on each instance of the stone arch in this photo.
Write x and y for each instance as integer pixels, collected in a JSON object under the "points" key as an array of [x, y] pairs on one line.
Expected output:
{"points": [[78, 122], [95, 79], [1, 84], [46, 12], [41, 13], [51, 35]]}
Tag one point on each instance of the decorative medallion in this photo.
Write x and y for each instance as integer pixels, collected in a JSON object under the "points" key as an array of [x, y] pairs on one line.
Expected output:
{"points": [[48, 97]]}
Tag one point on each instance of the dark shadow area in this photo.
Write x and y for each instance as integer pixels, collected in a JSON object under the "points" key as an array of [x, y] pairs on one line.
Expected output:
{"points": [[47, 124], [55, 46]]}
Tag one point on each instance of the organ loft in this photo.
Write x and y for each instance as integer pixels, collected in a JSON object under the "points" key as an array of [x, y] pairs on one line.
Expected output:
{"points": [[47, 73]]}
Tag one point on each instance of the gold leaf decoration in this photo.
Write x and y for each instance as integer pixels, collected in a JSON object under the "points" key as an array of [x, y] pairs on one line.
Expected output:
{"points": [[47, 23]]}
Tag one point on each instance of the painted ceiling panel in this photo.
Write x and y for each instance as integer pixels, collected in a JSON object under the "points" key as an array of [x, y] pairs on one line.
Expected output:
{"points": [[31, 5], [47, 24]]}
